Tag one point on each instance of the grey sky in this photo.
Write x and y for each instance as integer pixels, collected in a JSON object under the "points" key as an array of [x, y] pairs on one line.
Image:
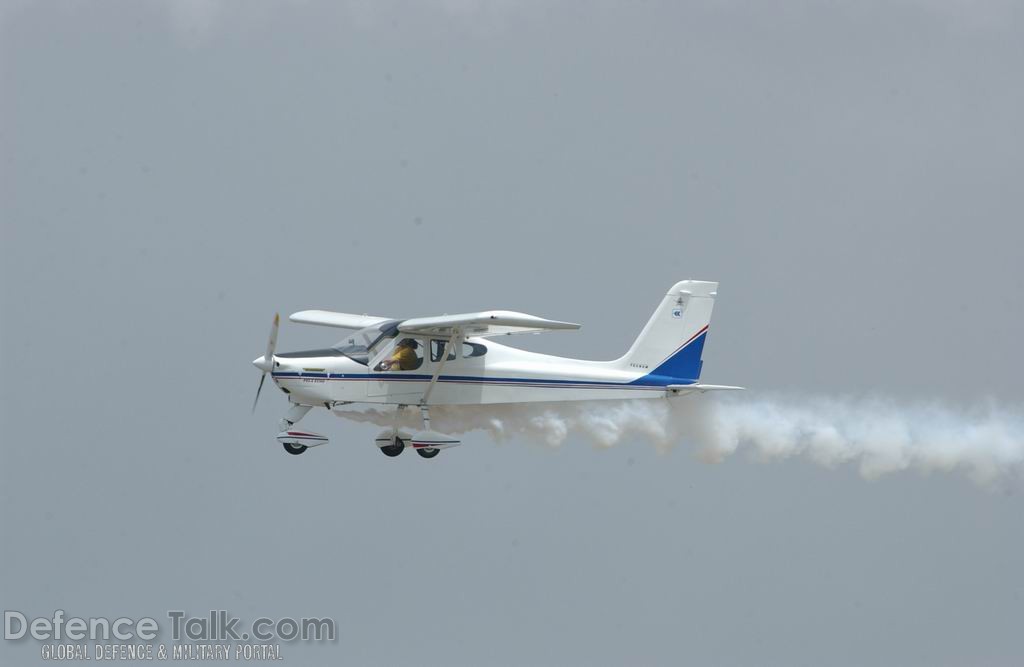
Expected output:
{"points": [[172, 175]]}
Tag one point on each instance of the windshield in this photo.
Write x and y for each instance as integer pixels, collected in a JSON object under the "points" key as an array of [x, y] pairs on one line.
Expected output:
{"points": [[357, 353], [360, 346]]}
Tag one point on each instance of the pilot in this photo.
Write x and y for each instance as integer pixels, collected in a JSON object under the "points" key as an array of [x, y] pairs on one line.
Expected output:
{"points": [[404, 357]]}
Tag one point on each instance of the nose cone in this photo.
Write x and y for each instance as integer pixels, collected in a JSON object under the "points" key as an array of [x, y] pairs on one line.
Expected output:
{"points": [[261, 364]]}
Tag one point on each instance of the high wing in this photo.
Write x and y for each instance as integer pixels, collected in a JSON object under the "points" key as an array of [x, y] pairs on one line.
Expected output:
{"points": [[327, 318], [487, 323]]}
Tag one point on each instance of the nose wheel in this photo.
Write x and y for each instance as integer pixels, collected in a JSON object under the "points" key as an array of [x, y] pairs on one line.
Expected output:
{"points": [[294, 449]]}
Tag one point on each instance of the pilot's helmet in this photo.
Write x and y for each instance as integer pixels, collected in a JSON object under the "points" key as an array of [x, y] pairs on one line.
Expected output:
{"points": [[408, 342]]}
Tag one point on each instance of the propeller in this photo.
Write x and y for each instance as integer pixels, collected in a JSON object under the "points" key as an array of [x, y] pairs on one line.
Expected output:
{"points": [[266, 362]]}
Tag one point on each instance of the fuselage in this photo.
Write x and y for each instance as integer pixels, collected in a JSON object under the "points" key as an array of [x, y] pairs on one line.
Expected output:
{"points": [[479, 372]]}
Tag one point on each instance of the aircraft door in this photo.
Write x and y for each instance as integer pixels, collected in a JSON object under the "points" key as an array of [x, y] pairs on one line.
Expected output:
{"points": [[398, 369]]}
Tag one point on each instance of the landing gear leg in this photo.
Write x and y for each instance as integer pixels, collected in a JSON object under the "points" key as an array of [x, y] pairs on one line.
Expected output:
{"points": [[426, 452], [397, 445], [292, 417]]}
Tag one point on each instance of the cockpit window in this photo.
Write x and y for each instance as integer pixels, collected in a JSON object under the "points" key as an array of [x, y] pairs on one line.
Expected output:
{"points": [[473, 350], [373, 336], [357, 353], [352, 352], [436, 350], [360, 346], [406, 355]]}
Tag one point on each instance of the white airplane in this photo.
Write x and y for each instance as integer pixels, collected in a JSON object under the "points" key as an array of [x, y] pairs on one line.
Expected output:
{"points": [[454, 360]]}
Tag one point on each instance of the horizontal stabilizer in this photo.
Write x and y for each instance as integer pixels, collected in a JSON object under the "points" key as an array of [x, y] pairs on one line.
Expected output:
{"points": [[326, 318], [682, 389]]}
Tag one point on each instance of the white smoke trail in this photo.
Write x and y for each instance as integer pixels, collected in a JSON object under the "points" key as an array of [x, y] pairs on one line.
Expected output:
{"points": [[880, 436]]}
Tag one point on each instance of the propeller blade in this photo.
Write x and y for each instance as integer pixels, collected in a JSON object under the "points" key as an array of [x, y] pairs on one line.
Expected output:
{"points": [[258, 390], [268, 358], [267, 363]]}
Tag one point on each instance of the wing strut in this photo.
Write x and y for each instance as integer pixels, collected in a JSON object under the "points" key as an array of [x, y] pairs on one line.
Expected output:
{"points": [[449, 344]]}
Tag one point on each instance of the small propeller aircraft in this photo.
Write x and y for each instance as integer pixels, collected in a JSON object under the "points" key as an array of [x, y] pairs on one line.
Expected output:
{"points": [[454, 360]]}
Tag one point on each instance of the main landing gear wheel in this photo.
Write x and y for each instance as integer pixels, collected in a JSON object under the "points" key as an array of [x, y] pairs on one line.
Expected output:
{"points": [[395, 449], [294, 449], [428, 452]]}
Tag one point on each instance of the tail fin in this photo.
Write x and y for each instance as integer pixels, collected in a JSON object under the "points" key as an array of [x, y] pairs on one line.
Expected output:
{"points": [[671, 344]]}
